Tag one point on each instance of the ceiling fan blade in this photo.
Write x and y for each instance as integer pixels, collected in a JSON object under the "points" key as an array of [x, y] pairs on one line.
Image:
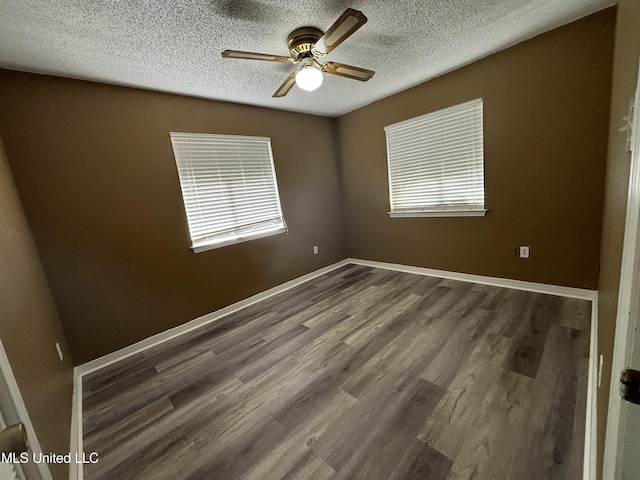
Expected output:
{"points": [[254, 56], [356, 73], [286, 86], [350, 21]]}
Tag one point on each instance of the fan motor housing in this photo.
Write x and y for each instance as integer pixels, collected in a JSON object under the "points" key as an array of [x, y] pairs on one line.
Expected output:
{"points": [[302, 40]]}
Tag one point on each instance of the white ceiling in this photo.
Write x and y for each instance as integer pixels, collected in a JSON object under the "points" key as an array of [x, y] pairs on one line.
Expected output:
{"points": [[174, 46]]}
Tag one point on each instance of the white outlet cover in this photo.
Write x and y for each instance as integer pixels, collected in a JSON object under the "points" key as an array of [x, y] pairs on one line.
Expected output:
{"points": [[59, 352], [315, 249], [524, 252]]}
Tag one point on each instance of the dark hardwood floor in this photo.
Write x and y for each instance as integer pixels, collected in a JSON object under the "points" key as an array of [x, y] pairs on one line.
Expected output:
{"points": [[361, 373]]}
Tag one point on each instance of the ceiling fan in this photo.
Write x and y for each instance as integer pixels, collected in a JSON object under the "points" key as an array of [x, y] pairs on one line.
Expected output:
{"points": [[307, 45]]}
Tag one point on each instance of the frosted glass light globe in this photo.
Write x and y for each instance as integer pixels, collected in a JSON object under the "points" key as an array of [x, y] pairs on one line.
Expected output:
{"points": [[309, 79]]}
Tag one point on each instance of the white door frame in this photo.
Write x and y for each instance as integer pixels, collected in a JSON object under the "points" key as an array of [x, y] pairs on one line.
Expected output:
{"points": [[627, 301], [16, 410]]}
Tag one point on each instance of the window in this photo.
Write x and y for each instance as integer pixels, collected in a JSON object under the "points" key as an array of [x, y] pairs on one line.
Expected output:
{"points": [[436, 163], [229, 188]]}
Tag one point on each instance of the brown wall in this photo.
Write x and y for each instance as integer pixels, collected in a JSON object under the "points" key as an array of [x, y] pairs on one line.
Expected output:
{"points": [[625, 74], [546, 110], [29, 327], [95, 170]]}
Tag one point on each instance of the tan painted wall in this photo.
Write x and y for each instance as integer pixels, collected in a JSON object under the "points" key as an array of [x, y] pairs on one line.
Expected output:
{"points": [[29, 327], [625, 74], [546, 106], [95, 170]]}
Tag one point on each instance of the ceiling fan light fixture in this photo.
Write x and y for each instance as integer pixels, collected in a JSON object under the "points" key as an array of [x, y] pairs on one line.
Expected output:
{"points": [[309, 78], [307, 45]]}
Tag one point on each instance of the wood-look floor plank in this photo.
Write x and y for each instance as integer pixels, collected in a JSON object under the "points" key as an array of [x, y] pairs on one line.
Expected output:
{"points": [[449, 425], [385, 313], [575, 314], [407, 352], [350, 302], [377, 455], [491, 446], [513, 308], [361, 373], [421, 462], [286, 454], [552, 450], [420, 341], [351, 437], [531, 336], [183, 359], [446, 364], [125, 402], [125, 405], [97, 393], [119, 455], [313, 398], [283, 352], [495, 299], [123, 427], [230, 460], [113, 376], [310, 467], [264, 395]]}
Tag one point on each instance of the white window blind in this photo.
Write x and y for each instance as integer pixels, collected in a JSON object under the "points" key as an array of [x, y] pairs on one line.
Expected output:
{"points": [[436, 163], [229, 188]]}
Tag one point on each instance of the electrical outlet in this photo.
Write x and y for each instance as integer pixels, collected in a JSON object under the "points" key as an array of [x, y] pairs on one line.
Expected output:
{"points": [[524, 252], [315, 249], [59, 352]]}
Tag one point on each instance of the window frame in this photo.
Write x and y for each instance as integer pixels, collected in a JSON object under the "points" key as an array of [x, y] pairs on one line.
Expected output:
{"points": [[439, 210], [218, 239]]}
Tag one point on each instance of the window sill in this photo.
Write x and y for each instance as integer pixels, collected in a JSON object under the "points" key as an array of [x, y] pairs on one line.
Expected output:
{"points": [[211, 245], [439, 213]]}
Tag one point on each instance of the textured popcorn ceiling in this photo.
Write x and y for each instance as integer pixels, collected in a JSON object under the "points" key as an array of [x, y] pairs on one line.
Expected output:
{"points": [[175, 45]]}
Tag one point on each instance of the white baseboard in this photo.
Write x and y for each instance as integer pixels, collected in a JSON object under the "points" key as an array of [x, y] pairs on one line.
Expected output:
{"points": [[590, 437], [75, 469], [76, 472], [558, 290]]}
